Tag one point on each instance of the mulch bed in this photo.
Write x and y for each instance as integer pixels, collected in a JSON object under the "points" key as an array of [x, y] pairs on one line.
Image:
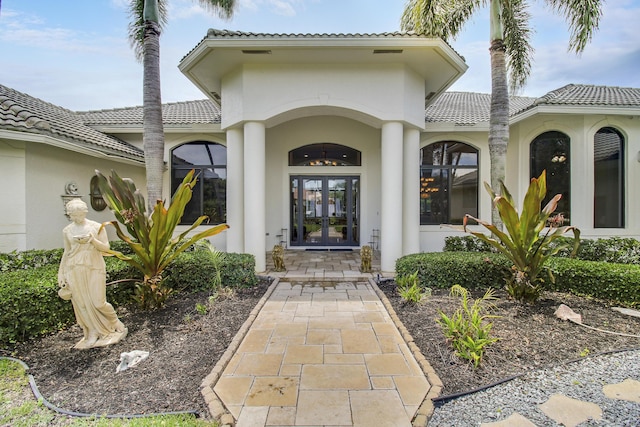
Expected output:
{"points": [[185, 345]]}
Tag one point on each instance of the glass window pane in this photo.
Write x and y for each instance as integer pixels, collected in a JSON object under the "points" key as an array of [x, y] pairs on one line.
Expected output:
{"points": [[433, 196], [209, 194], [448, 183], [550, 152], [608, 179], [464, 194], [324, 154]]}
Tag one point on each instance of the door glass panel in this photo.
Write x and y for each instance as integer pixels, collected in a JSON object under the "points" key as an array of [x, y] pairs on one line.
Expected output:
{"points": [[324, 211], [312, 222], [355, 210], [295, 210], [337, 210]]}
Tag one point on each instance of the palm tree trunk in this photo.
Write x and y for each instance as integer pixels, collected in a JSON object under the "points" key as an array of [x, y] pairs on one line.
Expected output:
{"points": [[153, 135], [499, 121]]}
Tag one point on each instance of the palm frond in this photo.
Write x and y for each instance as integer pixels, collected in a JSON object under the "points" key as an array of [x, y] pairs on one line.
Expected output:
{"points": [[583, 17], [517, 39]]}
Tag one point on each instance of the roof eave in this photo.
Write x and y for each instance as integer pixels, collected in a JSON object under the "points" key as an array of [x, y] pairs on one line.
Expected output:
{"points": [[71, 145]]}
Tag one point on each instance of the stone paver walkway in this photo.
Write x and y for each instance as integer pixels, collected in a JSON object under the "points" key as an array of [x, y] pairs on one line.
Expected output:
{"points": [[322, 353]]}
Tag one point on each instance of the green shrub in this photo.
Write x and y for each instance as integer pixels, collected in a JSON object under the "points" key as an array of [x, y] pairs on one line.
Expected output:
{"points": [[622, 250], [466, 244], [194, 271], [616, 283], [467, 329], [33, 258], [471, 270], [30, 306], [410, 290]]}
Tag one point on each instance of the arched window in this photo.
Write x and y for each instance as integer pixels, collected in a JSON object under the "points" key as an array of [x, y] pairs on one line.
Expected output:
{"points": [[550, 151], [608, 174], [210, 193], [324, 154], [448, 182]]}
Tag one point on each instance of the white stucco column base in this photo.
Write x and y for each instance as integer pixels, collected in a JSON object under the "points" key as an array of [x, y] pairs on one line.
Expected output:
{"points": [[411, 193], [254, 193], [391, 196], [235, 190]]}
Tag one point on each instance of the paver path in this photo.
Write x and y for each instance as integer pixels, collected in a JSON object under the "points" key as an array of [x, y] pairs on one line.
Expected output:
{"points": [[321, 353]]}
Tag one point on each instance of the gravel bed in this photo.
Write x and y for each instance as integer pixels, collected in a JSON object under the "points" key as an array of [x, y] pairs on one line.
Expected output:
{"points": [[581, 380]]}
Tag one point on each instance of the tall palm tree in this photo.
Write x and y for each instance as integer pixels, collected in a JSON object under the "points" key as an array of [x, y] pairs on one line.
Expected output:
{"points": [[509, 47], [148, 17]]}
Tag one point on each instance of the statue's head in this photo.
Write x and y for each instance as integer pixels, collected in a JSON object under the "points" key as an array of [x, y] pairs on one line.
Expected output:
{"points": [[76, 205]]}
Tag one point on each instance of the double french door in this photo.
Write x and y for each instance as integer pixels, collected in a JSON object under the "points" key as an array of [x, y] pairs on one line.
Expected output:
{"points": [[325, 210]]}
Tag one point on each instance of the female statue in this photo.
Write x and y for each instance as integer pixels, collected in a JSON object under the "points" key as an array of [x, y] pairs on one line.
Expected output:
{"points": [[82, 278]]}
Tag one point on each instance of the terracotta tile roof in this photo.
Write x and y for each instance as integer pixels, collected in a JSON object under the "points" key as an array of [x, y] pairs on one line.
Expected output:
{"points": [[468, 108], [190, 112], [573, 94], [21, 112]]}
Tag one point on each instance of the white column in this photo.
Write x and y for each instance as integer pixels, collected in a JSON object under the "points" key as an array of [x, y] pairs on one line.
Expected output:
{"points": [[254, 193], [235, 190], [411, 193], [391, 196]]}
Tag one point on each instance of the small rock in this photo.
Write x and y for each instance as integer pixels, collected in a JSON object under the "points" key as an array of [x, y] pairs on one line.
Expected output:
{"points": [[565, 313], [627, 311]]}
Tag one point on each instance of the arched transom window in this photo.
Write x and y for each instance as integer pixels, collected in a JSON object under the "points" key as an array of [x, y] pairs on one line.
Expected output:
{"points": [[324, 154], [209, 195], [448, 182]]}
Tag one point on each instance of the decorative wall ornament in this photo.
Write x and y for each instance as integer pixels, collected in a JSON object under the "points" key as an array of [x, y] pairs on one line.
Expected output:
{"points": [[71, 193]]}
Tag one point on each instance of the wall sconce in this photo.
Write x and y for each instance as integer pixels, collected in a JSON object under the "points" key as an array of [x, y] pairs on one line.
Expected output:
{"points": [[97, 201], [71, 192]]}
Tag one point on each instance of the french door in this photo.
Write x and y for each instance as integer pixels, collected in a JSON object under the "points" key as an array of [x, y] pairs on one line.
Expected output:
{"points": [[325, 210]]}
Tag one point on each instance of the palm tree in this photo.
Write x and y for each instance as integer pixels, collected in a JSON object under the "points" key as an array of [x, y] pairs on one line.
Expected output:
{"points": [[148, 19], [510, 49]]}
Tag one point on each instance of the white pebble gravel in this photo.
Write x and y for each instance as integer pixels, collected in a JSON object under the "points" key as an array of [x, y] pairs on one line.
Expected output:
{"points": [[581, 380]]}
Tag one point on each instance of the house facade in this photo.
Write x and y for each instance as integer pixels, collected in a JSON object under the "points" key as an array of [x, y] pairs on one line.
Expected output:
{"points": [[328, 142]]}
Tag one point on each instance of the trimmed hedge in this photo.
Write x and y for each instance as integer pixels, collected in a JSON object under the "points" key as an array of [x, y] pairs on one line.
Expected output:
{"points": [[30, 306], [616, 283], [620, 250], [472, 270], [194, 271]]}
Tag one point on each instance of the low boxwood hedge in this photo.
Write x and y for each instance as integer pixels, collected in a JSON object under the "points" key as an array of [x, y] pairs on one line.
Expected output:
{"points": [[472, 270], [616, 283]]}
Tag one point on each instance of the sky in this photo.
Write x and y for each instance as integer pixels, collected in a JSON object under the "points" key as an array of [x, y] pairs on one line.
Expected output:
{"points": [[75, 53]]}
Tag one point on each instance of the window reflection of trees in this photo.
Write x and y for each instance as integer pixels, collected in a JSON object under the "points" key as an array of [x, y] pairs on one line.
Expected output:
{"points": [[448, 182], [608, 157], [550, 151], [209, 195]]}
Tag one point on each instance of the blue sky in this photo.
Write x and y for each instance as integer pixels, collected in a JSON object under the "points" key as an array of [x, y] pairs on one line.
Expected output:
{"points": [[76, 54]]}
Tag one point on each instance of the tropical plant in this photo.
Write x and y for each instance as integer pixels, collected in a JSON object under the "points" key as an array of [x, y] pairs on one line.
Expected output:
{"points": [[467, 329], [510, 49], [525, 243], [148, 20], [410, 290], [151, 237]]}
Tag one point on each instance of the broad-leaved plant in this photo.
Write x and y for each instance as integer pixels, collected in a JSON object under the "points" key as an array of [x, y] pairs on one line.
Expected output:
{"points": [[151, 237]]}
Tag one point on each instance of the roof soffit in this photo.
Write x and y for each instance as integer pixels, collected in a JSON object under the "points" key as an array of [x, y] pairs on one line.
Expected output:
{"points": [[214, 57]]}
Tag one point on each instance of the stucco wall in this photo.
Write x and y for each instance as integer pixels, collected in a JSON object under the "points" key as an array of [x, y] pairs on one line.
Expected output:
{"points": [[13, 221], [48, 170]]}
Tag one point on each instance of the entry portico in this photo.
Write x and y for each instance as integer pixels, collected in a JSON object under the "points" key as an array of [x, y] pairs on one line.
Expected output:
{"points": [[283, 93]]}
